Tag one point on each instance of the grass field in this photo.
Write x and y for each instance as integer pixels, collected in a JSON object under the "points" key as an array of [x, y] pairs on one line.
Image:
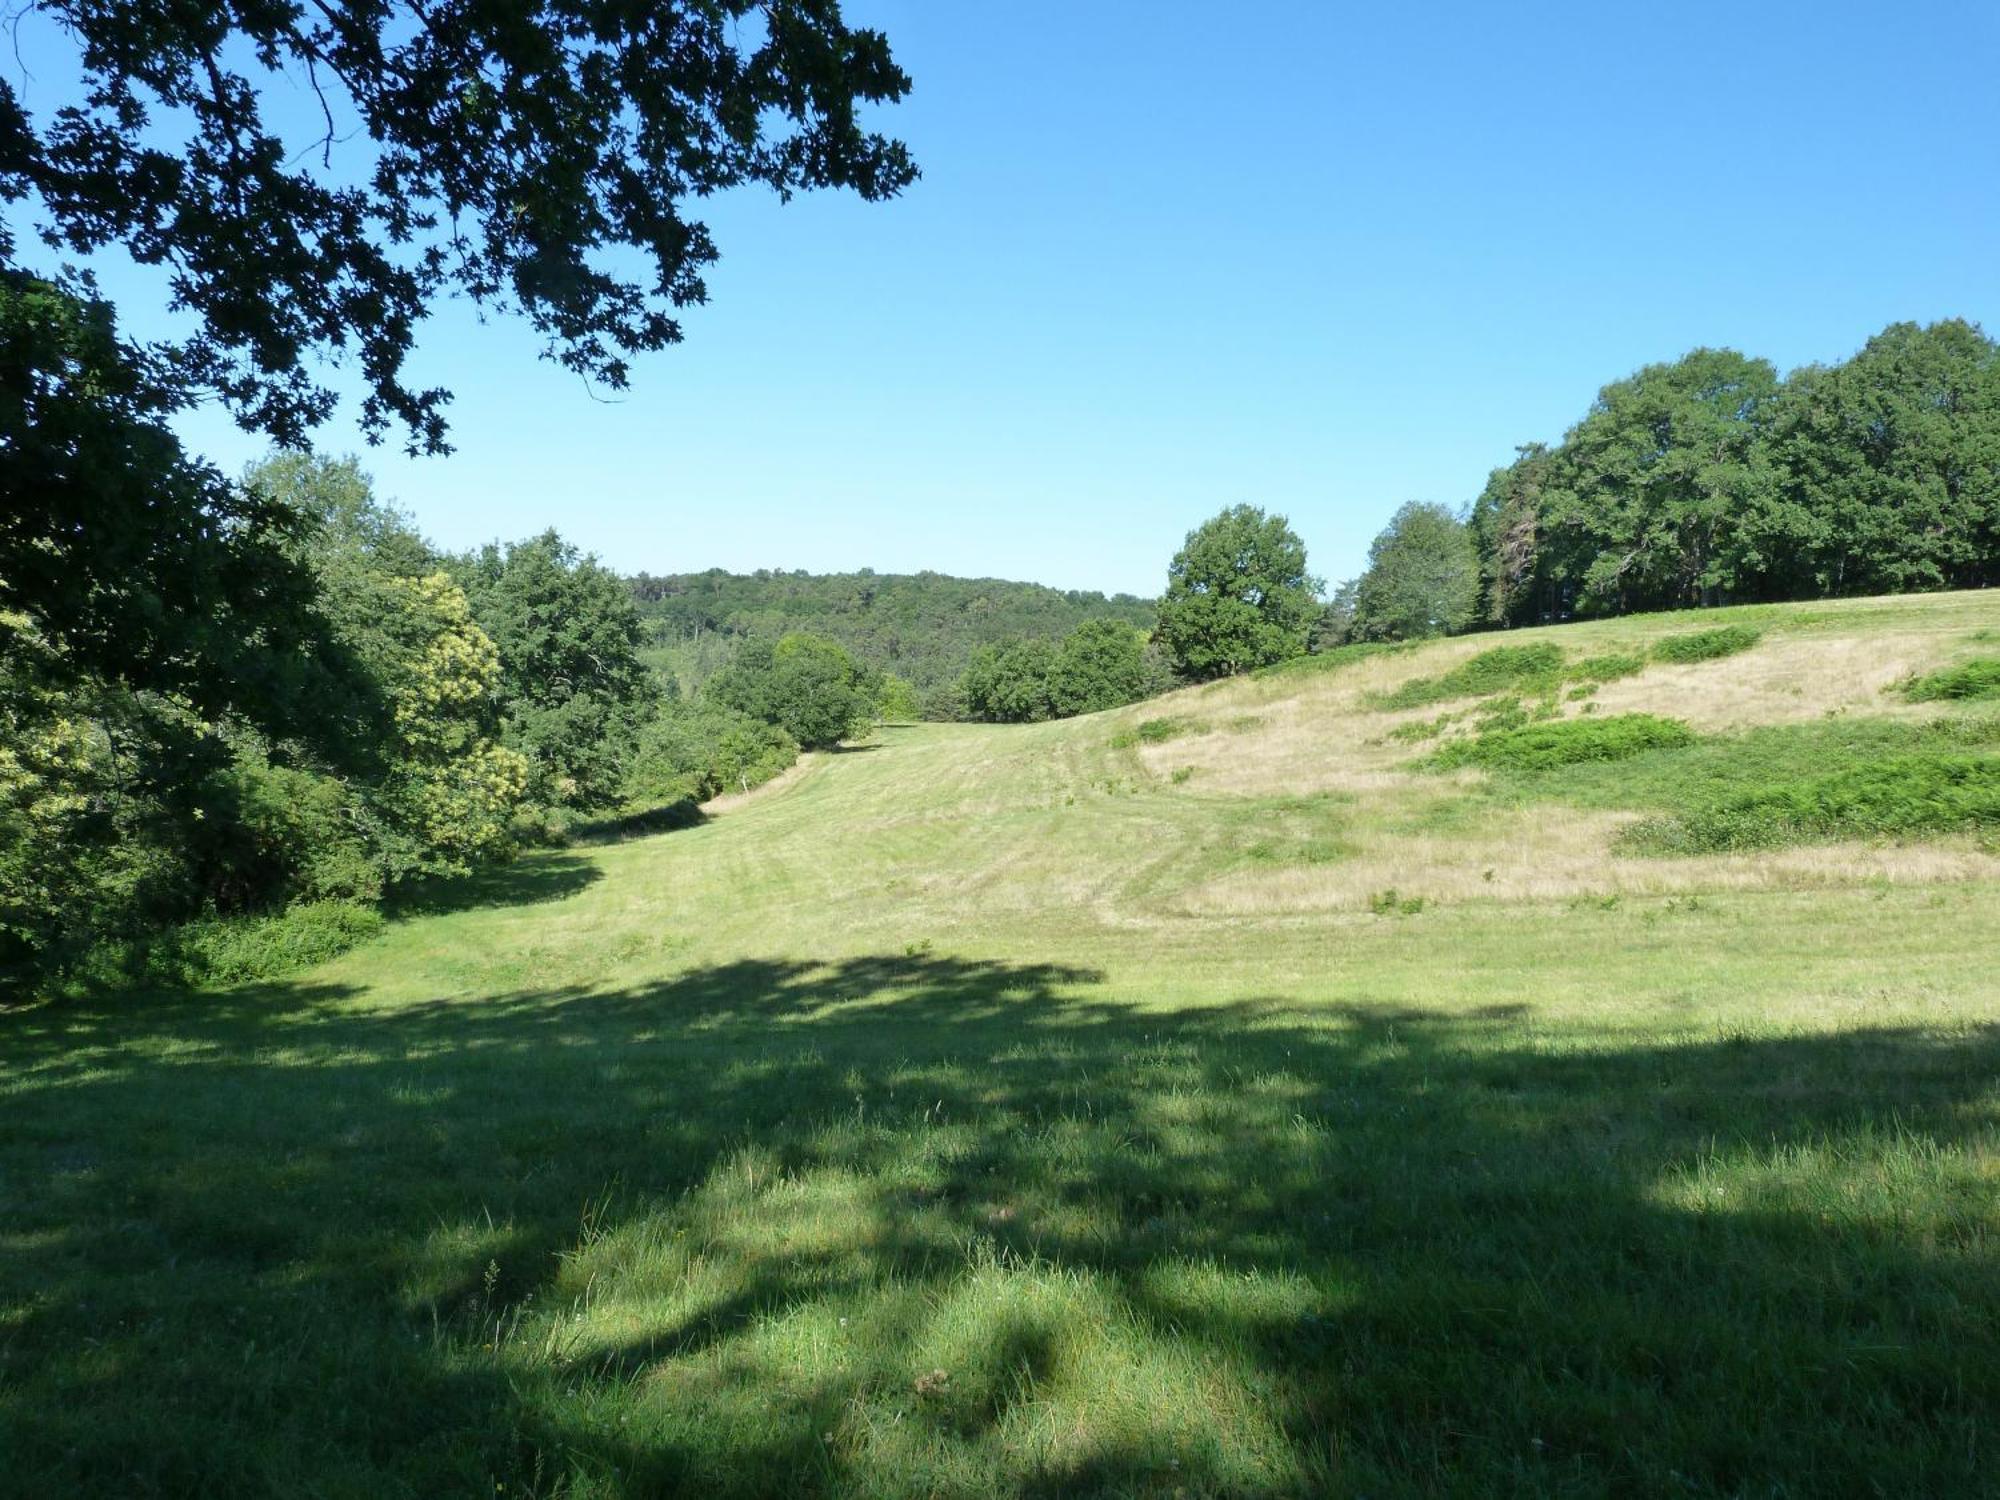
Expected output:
{"points": [[1224, 1096]]}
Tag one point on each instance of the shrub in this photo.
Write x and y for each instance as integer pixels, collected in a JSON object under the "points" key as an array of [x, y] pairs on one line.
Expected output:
{"points": [[237, 950], [1542, 747], [806, 685], [1706, 645], [1904, 794], [1607, 668], [1502, 668], [694, 751], [1157, 732], [1968, 680]]}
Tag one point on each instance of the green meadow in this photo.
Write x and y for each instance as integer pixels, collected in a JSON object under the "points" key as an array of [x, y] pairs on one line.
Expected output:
{"points": [[1322, 1082]]}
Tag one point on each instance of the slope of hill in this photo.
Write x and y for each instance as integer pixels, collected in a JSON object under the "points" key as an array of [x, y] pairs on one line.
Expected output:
{"points": [[1361, 1078], [922, 626]]}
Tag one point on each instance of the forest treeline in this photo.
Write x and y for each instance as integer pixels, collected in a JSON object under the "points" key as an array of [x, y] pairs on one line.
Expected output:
{"points": [[921, 627], [1712, 480]]}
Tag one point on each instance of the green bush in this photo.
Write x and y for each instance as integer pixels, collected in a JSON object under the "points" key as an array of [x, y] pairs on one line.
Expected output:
{"points": [[1905, 794], [1520, 668], [694, 751], [1542, 747], [1606, 668], [235, 950], [1706, 645], [1968, 680], [1158, 732]]}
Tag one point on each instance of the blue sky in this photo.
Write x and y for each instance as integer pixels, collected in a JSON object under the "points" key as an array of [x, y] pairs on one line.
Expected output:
{"points": [[1170, 256]]}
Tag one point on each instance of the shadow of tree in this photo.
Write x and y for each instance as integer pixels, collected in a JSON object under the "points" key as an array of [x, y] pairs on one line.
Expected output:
{"points": [[543, 876], [610, 1243]]}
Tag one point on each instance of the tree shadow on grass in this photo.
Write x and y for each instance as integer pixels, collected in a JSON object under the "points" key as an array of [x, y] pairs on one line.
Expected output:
{"points": [[537, 877], [913, 1225]]}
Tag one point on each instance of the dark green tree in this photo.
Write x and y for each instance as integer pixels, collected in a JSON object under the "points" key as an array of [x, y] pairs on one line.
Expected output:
{"points": [[135, 564], [690, 752], [1238, 595], [808, 686], [1639, 501], [1012, 683], [1506, 523], [1884, 472], [1422, 578], [1100, 664], [573, 691]]}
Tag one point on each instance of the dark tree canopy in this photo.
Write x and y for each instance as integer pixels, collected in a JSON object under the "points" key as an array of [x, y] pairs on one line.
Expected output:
{"points": [[132, 561], [1708, 480], [505, 152]]}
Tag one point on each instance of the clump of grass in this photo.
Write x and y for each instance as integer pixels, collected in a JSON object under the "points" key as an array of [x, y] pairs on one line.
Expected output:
{"points": [[1607, 668], [1904, 794], [1542, 747], [1158, 732], [1517, 668], [1968, 680], [1706, 645], [1392, 903], [1422, 729], [1297, 851], [1181, 774]]}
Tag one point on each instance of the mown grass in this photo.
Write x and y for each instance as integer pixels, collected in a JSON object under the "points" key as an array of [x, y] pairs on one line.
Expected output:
{"points": [[907, 1132]]}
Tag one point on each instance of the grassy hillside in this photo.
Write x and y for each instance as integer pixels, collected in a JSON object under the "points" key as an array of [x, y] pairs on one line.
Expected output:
{"points": [[1409, 1072], [922, 626]]}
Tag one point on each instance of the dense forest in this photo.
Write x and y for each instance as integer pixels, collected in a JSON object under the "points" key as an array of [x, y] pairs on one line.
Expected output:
{"points": [[1712, 480], [921, 627]]}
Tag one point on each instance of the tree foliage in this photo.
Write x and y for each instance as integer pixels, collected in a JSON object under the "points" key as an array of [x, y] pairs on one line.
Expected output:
{"points": [[924, 627], [1238, 595], [1101, 664], [806, 685], [573, 690], [1422, 578], [690, 752], [134, 564], [534, 159], [1709, 479]]}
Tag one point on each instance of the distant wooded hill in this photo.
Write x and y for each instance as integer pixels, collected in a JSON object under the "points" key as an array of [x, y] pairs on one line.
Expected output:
{"points": [[922, 626]]}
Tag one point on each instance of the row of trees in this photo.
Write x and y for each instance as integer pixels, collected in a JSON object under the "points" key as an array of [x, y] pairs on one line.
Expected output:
{"points": [[922, 627], [1710, 480], [389, 714]]}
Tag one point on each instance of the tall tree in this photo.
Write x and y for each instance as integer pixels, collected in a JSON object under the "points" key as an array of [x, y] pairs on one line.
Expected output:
{"points": [[1506, 524], [573, 691], [1885, 470], [1639, 499], [1238, 595], [514, 155], [1422, 578]]}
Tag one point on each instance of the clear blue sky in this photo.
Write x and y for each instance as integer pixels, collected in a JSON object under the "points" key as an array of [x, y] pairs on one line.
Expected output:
{"points": [[1168, 256]]}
